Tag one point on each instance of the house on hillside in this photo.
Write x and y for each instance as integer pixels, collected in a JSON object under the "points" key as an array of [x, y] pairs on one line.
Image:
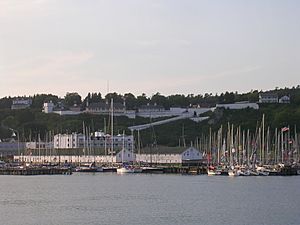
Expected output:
{"points": [[21, 103], [151, 108], [104, 108], [268, 97], [239, 105], [285, 100]]}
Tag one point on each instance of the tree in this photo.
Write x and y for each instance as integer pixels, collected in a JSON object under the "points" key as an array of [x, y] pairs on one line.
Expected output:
{"points": [[228, 97], [5, 103], [116, 97], [131, 101], [92, 98], [160, 100], [72, 99], [178, 101], [39, 99], [142, 100]]}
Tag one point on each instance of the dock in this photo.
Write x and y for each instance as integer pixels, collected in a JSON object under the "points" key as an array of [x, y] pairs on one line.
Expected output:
{"points": [[26, 171]]}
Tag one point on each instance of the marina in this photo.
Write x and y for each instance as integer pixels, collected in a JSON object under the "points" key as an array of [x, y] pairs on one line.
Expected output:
{"points": [[117, 168]]}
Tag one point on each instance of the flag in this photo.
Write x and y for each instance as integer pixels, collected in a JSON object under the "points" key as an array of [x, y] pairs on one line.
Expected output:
{"points": [[284, 129]]}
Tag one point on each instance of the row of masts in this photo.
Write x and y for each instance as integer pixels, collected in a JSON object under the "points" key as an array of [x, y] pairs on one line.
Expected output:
{"points": [[236, 146]]}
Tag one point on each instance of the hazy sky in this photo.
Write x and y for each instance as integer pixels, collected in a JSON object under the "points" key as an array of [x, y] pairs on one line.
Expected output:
{"points": [[148, 46]]}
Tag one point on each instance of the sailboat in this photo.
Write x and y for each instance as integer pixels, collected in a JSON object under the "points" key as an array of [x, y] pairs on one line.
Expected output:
{"points": [[126, 168], [90, 167], [110, 168]]}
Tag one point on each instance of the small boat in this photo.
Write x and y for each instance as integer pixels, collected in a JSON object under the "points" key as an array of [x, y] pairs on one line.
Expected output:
{"points": [[262, 171], [244, 172], [149, 169], [125, 169], [129, 169], [211, 172], [138, 169], [92, 168], [233, 173], [253, 173]]}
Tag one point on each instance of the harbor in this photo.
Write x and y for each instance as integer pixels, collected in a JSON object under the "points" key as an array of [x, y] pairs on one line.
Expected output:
{"points": [[149, 199], [69, 169]]}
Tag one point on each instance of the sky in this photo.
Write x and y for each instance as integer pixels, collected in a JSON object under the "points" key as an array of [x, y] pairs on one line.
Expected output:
{"points": [[148, 46]]}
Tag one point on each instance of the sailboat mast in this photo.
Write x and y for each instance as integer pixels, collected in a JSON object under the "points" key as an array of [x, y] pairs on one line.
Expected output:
{"points": [[112, 129], [123, 146], [263, 141], [139, 146]]}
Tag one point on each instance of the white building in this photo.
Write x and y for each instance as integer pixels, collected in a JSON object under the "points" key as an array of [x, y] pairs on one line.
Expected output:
{"points": [[189, 155], [39, 145], [173, 111], [48, 107], [285, 100], [268, 97], [125, 156], [239, 105], [105, 108], [21, 103], [69, 141], [99, 141]]}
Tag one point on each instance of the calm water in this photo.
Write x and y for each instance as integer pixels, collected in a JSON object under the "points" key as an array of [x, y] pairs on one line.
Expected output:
{"points": [[149, 199]]}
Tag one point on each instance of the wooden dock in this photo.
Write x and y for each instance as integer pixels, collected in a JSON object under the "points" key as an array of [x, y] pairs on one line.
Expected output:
{"points": [[27, 171]]}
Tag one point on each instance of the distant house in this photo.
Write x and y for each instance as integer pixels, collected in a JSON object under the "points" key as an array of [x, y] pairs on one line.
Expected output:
{"points": [[238, 105], [151, 108], [284, 100], [33, 145], [21, 103], [189, 156], [104, 108], [48, 107], [125, 156], [99, 141], [268, 97]]}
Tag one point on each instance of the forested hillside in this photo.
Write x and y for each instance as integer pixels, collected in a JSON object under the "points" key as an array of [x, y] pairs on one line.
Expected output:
{"points": [[31, 122]]}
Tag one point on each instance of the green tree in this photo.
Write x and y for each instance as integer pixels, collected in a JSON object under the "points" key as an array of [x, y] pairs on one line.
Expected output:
{"points": [[131, 101], [116, 97], [39, 99], [142, 100], [160, 100], [72, 99]]}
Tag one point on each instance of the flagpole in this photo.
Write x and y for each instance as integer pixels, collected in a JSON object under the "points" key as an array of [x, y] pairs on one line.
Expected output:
{"points": [[281, 146]]}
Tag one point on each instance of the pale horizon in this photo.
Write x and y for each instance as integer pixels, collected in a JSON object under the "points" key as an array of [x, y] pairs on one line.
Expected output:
{"points": [[170, 47]]}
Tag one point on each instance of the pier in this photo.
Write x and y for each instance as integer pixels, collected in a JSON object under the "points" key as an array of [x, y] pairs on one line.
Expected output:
{"points": [[35, 171]]}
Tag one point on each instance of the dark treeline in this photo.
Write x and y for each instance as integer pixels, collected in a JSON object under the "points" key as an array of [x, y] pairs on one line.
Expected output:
{"points": [[133, 102]]}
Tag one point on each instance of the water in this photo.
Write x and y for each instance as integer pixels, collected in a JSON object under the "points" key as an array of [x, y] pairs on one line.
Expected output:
{"points": [[139, 199]]}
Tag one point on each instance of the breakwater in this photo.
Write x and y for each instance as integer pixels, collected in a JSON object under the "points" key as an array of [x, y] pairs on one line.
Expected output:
{"points": [[35, 171]]}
